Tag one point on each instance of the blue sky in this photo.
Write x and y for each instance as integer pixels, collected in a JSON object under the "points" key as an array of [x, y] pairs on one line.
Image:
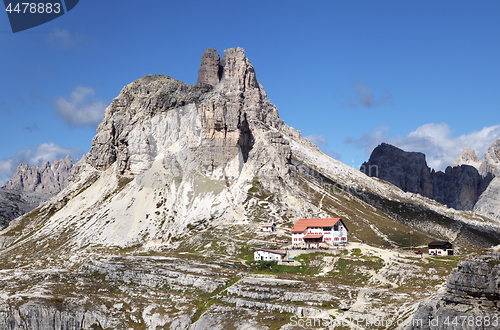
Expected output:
{"points": [[423, 75]]}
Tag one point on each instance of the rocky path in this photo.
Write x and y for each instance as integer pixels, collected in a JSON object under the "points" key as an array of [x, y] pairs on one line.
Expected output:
{"points": [[389, 257], [382, 279], [330, 262]]}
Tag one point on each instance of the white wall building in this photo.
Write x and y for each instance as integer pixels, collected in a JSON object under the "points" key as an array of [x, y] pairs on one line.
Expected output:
{"points": [[269, 227], [440, 248], [268, 255], [328, 230]]}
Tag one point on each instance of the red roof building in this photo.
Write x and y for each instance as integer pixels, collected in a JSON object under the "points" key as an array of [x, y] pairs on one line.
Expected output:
{"points": [[327, 230]]}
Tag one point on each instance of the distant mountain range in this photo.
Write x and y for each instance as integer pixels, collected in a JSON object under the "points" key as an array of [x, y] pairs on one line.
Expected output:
{"points": [[49, 179], [469, 184], [31, 186]]}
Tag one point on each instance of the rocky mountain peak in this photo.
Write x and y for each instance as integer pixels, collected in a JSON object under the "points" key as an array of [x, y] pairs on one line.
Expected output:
{"points": [[491, 162], [212, 119], [406, 170], [467, 157], [457, 187], [48, 179], [210, 69], [237, 71]]}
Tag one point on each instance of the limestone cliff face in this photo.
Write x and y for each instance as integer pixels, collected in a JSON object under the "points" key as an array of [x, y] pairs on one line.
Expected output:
{"points": [[49, 179], [472, 290], [210, 69], [476, 278], [459, 187], [406, 170], [491, 161], [467, 157], [489, 201], [15, 203], [210, 122]]}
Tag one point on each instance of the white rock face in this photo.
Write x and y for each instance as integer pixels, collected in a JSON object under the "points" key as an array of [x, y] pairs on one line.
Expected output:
{"points": [[467, 157], [491, 162], [489, 201]]}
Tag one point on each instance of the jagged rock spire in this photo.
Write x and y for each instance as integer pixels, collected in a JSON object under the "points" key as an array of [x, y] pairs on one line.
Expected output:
{"points": [[50, 178], [467, 157], [221, 109], [210, 69]]}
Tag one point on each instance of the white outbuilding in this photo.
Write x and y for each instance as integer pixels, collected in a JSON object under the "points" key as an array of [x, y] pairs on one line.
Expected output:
{"points": [[269, 255], [269, 227]]}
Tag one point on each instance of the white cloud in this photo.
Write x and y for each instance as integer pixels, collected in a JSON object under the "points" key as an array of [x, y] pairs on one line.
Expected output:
{"points": [[81, 108], [333, 154], [33, 127], [322, 143], [366, 98], [63, 38], [434, 140], [370, 141], [318, 140], [46, 152]]}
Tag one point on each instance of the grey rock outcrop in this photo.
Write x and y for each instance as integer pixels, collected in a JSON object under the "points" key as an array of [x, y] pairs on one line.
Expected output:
{"points": [[210, 69], [472, 291], [49, 179], [216, 122], [491, 161], [476, 278], [16, 203], [40, 316], [488, 203], [467, 157], [458, 187], [406, 170]]}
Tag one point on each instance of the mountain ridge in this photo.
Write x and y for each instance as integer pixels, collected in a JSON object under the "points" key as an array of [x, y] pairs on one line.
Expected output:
{"points": [[459, 187], [50, 178]]}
